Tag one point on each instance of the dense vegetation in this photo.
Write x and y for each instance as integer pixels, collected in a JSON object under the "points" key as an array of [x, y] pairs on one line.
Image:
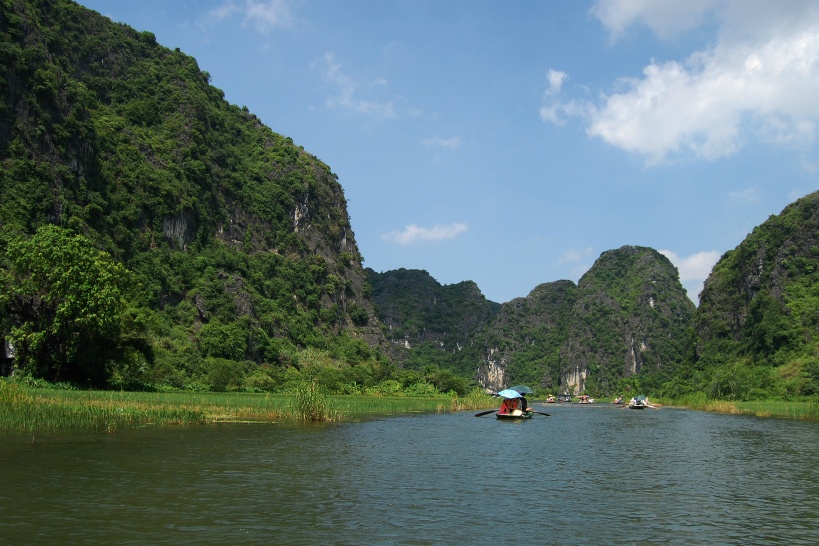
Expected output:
{"points": [[155, 237], [755, 333], [428, 324], [625, 319], [226, 248], [630, 320], [522, 346]]}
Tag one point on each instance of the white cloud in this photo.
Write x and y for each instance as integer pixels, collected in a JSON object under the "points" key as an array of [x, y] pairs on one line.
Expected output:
{"points": [[748, 195], [694, 269], [579, 259], [262, 15], [453, 143], [667, 19], [757, 81], [267, 15], [575, 255], [413, 233], [555, 79], [350, 92], [552, 106]]}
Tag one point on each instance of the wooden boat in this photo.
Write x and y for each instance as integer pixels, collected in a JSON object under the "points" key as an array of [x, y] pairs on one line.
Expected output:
{"points": [[515, 415], [638, 403]]}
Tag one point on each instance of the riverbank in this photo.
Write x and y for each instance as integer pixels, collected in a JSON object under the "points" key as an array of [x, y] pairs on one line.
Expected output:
{"points": [[30, 410], [805, 409]]}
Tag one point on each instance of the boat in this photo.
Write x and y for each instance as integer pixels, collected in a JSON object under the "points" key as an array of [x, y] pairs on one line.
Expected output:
{"points": [[515, 415], [639, 402], [514, 406]]}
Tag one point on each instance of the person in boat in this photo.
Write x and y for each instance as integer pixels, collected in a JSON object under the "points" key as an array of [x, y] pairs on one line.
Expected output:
{"points": [[508, 406]]}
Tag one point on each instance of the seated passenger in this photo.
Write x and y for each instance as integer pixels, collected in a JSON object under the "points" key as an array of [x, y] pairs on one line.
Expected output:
{"points": [[508, 406]]}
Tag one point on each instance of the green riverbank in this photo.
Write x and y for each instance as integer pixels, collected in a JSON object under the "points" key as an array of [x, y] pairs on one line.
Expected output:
{"points": [[30, 410], [804, 409]]}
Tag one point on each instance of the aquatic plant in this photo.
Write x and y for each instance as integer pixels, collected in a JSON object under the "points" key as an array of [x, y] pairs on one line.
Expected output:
{"points": [[309, 402], [28, 410], [474, 399]]}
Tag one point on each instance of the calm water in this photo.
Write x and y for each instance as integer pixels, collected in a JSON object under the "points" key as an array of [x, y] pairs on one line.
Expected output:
{"points": [[585, 474]]}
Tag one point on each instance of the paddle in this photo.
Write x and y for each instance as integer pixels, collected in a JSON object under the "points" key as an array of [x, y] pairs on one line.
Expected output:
{"points": [[485, 412], [541, 413]]}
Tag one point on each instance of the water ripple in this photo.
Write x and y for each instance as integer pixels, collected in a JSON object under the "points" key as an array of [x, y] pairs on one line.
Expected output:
{"points": [[584, 474]]}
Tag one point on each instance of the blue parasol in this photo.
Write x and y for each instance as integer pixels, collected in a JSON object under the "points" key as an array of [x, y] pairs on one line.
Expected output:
{"points": [[509, 393], [522, 389]]}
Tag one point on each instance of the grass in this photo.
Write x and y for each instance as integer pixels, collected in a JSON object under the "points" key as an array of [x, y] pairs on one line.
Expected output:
{"points": [[806, 409], [25, 409]]}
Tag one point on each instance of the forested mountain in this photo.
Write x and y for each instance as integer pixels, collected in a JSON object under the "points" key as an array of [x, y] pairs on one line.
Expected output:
{"points": [[154, 235], [629, 324], [522, 345], [630, 316], [235, 243], [427, 323], [757, 326], [627, 315]]}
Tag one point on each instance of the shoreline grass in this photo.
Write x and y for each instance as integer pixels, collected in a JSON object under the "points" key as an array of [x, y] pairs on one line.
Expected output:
{"points": [[30, 410], [804, 410]]}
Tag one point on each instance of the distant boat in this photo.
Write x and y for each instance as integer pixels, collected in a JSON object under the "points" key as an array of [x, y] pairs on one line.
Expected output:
{"points": [[639, 402]]}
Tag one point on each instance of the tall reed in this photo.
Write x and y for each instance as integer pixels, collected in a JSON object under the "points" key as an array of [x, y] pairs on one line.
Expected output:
{"points": [[32, 409], [309, 403], [474, 399], [806, 409], [27, 411]]}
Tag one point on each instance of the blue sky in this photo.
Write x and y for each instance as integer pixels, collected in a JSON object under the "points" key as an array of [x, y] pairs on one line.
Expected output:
{"points": [[512, 142]]}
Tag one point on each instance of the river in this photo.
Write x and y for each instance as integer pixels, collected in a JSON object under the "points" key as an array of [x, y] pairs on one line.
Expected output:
{"points": [[587, 474]]}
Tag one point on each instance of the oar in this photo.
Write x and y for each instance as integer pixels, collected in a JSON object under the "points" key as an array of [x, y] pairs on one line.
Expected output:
{"points": [[541, 413], [485, 413]]}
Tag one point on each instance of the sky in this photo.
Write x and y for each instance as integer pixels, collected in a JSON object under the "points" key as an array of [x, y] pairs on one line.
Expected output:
{"points": [[510, 143]]}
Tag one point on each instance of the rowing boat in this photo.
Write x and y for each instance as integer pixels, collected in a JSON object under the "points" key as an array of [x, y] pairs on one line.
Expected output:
{"points": [[515, 415], [641, 402]]}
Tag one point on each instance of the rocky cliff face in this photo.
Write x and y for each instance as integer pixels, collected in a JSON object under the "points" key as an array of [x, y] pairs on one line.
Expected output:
{"points": [[522, 342], [418, 312], [108, 133], [761, 300], [630, 316], [627, 315]]}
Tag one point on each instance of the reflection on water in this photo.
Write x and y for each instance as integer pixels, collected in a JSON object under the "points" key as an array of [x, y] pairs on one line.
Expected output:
{"points": [[585, 474]]}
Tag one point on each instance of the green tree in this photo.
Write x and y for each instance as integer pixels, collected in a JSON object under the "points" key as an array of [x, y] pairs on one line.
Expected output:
{"points": [[62, 302]]}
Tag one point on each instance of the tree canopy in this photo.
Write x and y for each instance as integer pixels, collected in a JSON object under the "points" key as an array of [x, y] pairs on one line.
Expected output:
{"points": [[63, 302]]}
